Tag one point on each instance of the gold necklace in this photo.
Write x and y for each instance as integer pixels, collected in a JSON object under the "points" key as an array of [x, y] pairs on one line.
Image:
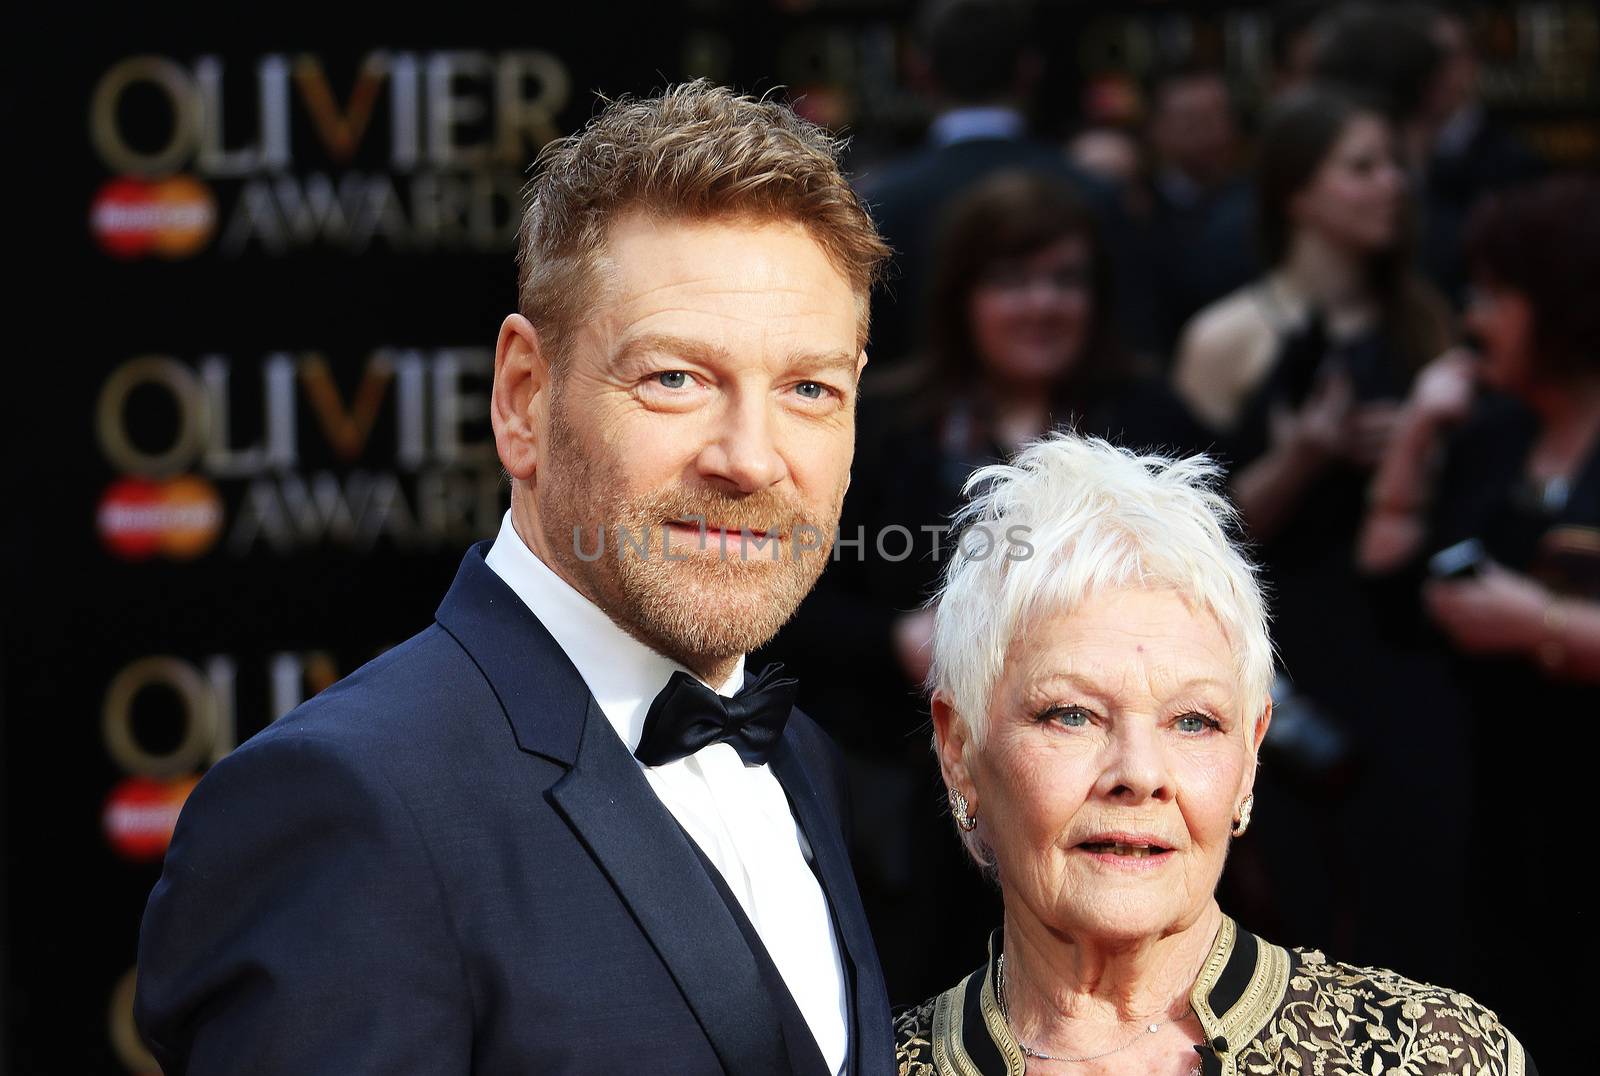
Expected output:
{"points": [[1000, 976]]}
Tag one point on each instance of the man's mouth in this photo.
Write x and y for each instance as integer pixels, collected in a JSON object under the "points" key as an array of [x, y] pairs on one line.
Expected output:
{"points": [[717, 530]]}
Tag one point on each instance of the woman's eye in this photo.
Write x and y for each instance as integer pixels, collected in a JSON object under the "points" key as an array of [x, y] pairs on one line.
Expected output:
{"points": [[673, 379], [1197, 723], [1072, 717]]}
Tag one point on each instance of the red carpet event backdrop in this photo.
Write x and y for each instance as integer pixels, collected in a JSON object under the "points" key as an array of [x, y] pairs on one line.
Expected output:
{"points": [[254, 440]]}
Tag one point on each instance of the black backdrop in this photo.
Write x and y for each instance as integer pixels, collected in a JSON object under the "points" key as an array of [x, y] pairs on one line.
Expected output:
{"points": [[232, 468]]}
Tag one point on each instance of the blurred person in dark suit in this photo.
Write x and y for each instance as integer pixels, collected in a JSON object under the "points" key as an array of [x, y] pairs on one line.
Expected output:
{"points": [[1469, 154], [1293, 42], [1198, 237], [1300, 376], [1489, 501], [1020, 342], [979, 65], [562, 829]]}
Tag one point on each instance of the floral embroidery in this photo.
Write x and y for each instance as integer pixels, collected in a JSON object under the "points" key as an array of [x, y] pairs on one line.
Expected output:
{"points": [[913, 1034], [912, 1046], [1342, 1020], [1333, 1020]]}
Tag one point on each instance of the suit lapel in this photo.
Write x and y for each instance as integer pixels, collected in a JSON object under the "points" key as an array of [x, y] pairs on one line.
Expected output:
{"points": [[618, 817], [622, 823], [544, 698], [871, 1028]]}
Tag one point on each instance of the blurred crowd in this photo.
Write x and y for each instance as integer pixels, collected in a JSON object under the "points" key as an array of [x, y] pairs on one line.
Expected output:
{"points": [[1377, 310]]}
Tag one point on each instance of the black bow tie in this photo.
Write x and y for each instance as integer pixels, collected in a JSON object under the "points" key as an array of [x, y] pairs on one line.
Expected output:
{"points": [[687, 715]]}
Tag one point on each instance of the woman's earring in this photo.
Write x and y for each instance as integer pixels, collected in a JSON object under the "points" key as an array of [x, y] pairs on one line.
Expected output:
{"points": [[1242, 822], [958, 807]]}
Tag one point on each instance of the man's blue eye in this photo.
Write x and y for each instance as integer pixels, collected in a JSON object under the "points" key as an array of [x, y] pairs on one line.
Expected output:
{"points": [[673, 379], [811, 390]]}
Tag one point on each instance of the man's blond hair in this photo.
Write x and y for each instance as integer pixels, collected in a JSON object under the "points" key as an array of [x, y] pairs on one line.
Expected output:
{"points": [[696, 151]]}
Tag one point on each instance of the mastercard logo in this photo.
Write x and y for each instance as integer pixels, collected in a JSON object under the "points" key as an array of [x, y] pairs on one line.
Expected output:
{"points": [[170, 218], [179, 518], [140, 815]]}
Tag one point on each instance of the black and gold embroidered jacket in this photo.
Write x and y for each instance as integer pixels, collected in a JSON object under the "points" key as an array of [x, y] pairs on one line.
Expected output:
{"points": [[1264, 1009]]}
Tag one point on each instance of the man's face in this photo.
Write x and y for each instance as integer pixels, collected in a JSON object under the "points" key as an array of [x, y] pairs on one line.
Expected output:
{"points": [[1193, 128], [715, 382]]}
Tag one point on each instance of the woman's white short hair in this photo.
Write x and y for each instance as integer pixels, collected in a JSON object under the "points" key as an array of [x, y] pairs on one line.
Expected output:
{"points": [[1070, 516]]}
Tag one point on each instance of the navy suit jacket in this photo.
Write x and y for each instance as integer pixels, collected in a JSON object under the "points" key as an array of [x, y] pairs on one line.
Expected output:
{"points": [[449, 862]]}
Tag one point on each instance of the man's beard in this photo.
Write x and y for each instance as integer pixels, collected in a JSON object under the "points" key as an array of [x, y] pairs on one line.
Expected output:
{"points": [[704, 605]]}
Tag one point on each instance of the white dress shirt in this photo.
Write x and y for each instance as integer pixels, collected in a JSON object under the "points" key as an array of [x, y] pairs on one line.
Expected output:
{"points": [[737, 814]]}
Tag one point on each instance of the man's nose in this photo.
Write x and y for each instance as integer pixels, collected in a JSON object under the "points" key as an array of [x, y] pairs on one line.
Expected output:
{"points": [[743, 450]]}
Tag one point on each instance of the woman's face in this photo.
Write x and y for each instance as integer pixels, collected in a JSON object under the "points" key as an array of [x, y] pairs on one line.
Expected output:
{"points": [[1029, 316], [1355, 197], [1117, 754], [1502, 321]]}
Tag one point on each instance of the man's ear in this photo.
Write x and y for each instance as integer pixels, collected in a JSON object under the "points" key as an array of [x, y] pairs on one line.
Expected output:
{"points": [[521, 384], [952, 740]]}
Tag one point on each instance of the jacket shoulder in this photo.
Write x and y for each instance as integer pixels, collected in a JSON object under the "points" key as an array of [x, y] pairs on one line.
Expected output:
{"points": [[1356, 1016], [299, 877], [411, 694]]}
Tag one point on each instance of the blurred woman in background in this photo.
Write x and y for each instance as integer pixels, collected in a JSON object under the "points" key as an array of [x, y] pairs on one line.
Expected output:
{"points": [[1299, 378], [1019, 342], [1019, 337], [1495, 471], [1302, 370]]}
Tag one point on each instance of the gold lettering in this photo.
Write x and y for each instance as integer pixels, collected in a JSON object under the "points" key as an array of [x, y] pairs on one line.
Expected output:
{"points": [[193, 416], [199, 717], [106, 133], [341, 131], [346, 430]]}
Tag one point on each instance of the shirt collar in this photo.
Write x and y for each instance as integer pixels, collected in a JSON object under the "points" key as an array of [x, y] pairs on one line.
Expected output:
{"points": [[967, 124], [622, 673]]}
